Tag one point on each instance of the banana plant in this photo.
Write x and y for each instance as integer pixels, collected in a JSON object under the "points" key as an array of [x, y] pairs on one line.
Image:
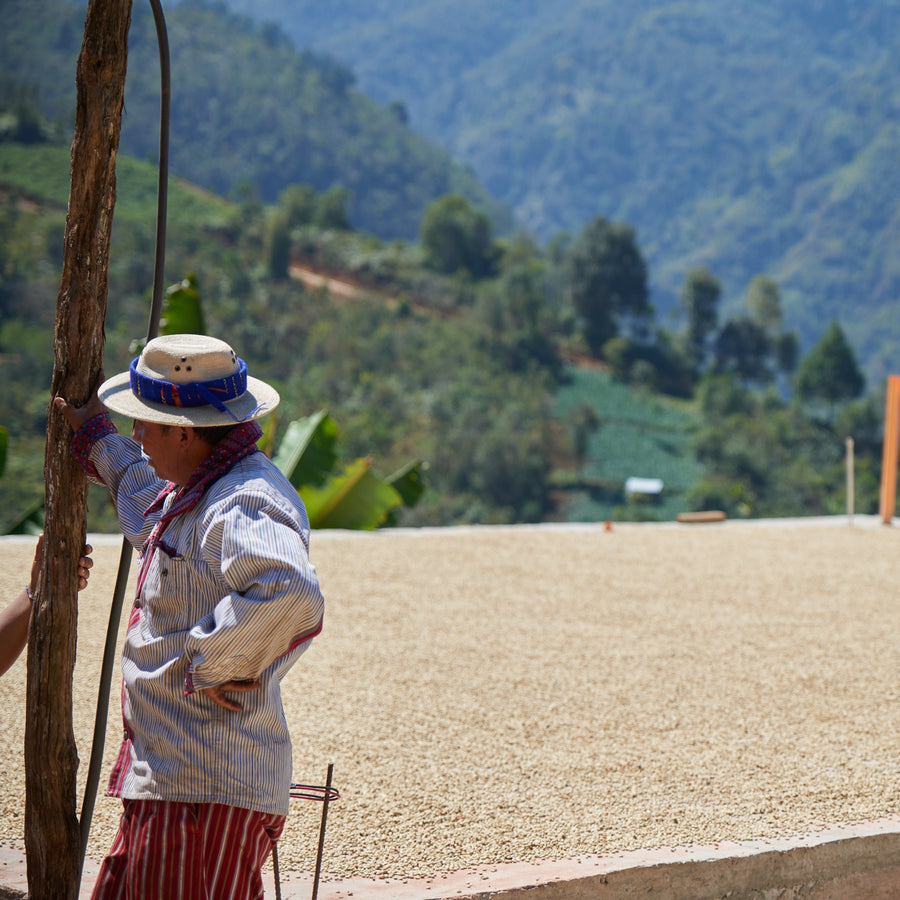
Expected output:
{"points": [[356, 497], [182, 311], [307, 453]]}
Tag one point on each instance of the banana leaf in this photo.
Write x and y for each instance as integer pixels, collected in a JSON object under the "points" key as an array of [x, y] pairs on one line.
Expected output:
{"points": [[182, 311], [410, 485], [267, 442], [409, 482], [306, 454], [356, 499]]}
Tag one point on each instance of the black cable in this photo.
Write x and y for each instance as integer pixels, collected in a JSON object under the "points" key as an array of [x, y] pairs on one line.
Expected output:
{"points": [[162, 191]]}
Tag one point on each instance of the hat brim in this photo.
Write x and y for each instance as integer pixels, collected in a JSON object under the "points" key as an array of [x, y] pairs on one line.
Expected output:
{"points": [[257, 401]]}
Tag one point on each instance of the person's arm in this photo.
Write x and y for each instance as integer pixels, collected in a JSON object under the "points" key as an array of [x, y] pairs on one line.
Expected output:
{"points": [[275, 603], [16, 617], [14, 620], [115, 462]]}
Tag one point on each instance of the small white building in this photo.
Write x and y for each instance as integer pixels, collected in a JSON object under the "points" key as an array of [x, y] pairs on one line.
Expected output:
{"points": [[647, 486]]}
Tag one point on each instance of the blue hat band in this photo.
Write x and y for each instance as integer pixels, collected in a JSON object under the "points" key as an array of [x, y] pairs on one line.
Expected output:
{"points": [[215, 393]]}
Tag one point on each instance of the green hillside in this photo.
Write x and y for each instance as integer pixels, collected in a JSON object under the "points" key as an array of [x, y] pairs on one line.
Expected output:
{"points": [[41, 171], [412, 369], [753, 137], [462, 370], [247, 109], [635, 434]]}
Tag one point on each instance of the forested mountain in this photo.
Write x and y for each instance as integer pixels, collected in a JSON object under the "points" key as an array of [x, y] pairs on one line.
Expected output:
{"points": [[753, 137], [458, 348], [248, 109]]}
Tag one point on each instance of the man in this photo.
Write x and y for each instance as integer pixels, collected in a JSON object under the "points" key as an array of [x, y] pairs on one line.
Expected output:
{"points": [[227, 600]]}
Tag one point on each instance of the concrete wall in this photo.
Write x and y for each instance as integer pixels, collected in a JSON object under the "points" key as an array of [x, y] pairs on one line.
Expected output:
{"points": [[866, 867]]}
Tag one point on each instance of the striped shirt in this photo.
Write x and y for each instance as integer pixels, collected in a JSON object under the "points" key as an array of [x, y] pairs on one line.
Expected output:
{"points": [[228, 594]]}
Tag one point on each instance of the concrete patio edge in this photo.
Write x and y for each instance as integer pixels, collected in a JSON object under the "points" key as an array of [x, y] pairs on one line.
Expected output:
{"points": [[855, 862]]}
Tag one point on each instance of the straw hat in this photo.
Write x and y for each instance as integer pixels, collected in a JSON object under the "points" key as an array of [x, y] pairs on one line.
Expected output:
{"points": [[188, 379]]}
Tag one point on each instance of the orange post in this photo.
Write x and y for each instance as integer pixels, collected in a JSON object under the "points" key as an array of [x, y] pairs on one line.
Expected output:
{"points": [[889, 450]]}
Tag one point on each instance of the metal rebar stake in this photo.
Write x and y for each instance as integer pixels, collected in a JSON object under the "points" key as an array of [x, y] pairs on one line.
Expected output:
{"points": [[275, 869], [310, 792], [326, 798]]}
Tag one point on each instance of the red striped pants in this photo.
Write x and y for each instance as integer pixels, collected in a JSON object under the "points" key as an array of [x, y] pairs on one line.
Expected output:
{"points": [[187, 851]]}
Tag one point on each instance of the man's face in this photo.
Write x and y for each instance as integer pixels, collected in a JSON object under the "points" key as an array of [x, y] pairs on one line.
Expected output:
{"points": [[161, 445]]}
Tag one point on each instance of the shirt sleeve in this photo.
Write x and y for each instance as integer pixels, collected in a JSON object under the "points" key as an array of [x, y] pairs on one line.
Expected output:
{"points": [[116, 462], [83, 442], [274, 603]]}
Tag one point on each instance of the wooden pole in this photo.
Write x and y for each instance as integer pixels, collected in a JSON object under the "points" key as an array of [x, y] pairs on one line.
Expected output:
{"points": [[889, 450], [851, 490], [52, 837]]}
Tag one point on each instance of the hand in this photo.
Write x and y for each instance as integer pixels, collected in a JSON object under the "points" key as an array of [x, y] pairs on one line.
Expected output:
{"points": [[36, 564], [216, 693], [76, 416], [85, 564]]}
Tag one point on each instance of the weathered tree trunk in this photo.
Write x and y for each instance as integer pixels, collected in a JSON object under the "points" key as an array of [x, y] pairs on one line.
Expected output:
{"points": [[52, 837]]}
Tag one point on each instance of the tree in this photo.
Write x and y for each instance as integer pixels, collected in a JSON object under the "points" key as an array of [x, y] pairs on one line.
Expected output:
{"points": [[743, 347], [331, 210], [456, 237], [585, 422], [298, 201], [700, 300], [755, 346], [829, 372], [764, 304], [721, 396], [607, 279], [279, 245], [52, 834], [399, 111], [786, 349], [517, 322], [761, 456]]}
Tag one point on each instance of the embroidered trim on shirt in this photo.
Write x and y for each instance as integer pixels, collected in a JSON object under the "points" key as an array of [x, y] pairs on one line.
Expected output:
{"points": [[84, 439]]}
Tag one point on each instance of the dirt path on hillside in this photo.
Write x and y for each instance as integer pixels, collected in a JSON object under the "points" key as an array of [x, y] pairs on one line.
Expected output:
{"points": [[341, 289], [335, 286], [514, 694]]}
